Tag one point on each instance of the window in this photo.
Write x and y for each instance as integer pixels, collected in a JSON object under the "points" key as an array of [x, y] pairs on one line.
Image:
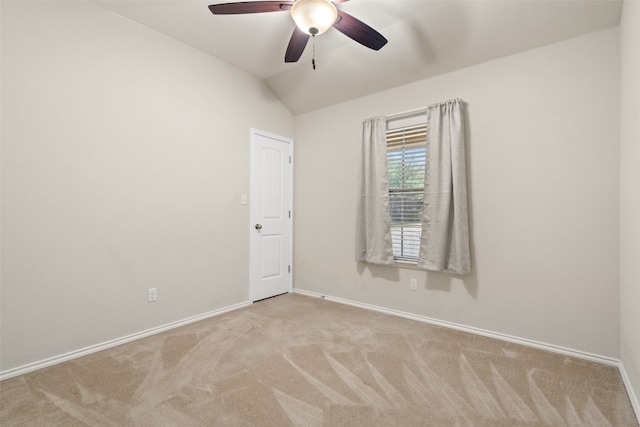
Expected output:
{"points": [[397, 158], [406, 156]]}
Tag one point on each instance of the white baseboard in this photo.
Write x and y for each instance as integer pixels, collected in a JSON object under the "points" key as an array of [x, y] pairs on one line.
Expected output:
{"points": [[632, 395], [115, 342], [470, 329]]}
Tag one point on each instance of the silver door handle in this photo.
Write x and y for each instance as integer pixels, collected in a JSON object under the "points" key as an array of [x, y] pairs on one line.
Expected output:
{"points": [[258, 227]]}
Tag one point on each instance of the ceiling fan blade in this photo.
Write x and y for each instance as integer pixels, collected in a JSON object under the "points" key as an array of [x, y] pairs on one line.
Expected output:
{"points": [[249, 7], [359, 31], [296, 46]]}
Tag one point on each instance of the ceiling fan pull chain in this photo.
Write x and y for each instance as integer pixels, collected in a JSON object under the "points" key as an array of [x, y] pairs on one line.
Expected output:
{"points": [[313, 59]]}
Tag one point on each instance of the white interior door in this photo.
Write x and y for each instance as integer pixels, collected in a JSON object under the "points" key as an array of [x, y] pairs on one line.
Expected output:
{"points": [[271, 204]]}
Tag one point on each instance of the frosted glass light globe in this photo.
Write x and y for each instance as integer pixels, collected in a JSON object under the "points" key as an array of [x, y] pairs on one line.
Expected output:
{"points": [[314, 17]]}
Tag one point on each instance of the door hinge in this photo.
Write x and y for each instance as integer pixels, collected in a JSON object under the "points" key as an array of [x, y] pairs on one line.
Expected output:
{"points": [[289, 159], [289, 214], [289, 269]]}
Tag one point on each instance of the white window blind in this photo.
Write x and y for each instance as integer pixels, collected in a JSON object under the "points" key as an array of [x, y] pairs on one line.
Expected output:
{"points": [[406, 156]]}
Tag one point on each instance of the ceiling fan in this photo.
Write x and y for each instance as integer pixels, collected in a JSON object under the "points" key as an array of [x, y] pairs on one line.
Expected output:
{"points": [[312, 18]]}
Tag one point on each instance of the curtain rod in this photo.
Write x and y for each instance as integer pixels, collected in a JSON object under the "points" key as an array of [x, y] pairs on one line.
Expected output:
{"points": [[417, 111], [407, 113]]}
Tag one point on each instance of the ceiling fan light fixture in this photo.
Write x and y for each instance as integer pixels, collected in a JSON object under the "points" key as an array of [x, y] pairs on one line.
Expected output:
{"points": [[314, 17]]}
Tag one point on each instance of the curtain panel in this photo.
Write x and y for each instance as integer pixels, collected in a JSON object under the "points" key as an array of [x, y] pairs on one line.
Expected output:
{"points": [[373, 223], [444, 244]]}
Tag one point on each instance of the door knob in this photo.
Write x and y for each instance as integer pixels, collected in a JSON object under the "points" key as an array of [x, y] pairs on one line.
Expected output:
{"points": [[258, 227]]}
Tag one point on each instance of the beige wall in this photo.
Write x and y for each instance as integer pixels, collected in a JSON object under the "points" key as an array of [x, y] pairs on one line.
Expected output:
{"points": [[543, 162], [124, 155], [630, 193]]}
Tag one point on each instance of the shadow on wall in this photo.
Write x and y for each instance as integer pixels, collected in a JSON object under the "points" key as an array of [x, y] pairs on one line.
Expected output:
{"points": [[434, 280], [442, 282], [380, 271]]}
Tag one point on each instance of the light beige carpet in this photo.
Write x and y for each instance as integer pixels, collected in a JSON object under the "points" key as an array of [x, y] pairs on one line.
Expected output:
{"points": [[300, 361]]}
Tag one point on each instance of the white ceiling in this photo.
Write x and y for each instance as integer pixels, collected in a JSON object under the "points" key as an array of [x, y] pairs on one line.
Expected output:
{"points": [[426, 38]]}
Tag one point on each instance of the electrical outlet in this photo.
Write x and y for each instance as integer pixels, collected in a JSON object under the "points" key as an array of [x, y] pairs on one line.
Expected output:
{"points": [[413, 284], [153, 295]]}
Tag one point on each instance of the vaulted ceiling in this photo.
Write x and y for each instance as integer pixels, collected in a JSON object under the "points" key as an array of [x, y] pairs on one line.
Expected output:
{"points": [[426, 38]]}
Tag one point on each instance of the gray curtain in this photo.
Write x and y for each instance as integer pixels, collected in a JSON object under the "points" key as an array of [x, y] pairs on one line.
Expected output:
{"points": [[373, 224], [444, 245]]}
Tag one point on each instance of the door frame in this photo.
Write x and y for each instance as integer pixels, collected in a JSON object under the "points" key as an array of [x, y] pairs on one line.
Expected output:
{"points": [[252, 208]]}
